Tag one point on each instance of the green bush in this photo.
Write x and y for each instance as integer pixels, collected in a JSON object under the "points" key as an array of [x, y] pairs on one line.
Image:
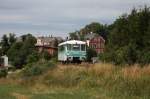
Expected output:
{"points": [[90, 53], [3, 73], [35, 69], [34, 57], [46, 55], [145, 57], [20, 51], [32, 71], [130, 33], [123, 55]]}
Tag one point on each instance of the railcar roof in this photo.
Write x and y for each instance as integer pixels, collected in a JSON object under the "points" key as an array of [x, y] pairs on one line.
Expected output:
{"points": [[72, 42]]}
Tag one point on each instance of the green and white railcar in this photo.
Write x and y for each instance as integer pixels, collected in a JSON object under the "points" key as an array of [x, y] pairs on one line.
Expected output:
{"points": [[72, 51]]}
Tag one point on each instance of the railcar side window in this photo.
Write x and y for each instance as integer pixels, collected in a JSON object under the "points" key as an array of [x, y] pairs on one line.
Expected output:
{"points": [[82, 47]]}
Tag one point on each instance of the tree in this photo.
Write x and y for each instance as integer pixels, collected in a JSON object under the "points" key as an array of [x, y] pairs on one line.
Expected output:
{"points": [[90, 54], [74, 36], [5, 44], [34, 57], [93, 27], [56, 42], [12, 39], [20, 51], [14, 54], [130, 37], [46, 55]]}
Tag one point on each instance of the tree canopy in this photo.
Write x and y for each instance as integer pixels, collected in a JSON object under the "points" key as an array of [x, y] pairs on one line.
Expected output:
{"points": [[93, 27], [6, 42], [129, 39], [20, 51]]}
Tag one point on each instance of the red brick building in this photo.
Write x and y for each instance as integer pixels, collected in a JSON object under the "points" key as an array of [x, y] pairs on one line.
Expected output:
{"points": [[48, 44], [49, 49], [96, 42]]}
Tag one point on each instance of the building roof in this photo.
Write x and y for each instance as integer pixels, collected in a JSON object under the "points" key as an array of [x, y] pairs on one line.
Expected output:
{"points": [[49, 41], [46, 39], [90, 36], [93, 35], [46, 46], [72, 42]]}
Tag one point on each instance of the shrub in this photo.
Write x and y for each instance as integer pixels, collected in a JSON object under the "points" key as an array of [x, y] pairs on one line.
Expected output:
{"points": [[46, 55], [34, 57], [119, 57], [34, 69], [90, 53], [3, 73], [123, 55], [145, 58]]}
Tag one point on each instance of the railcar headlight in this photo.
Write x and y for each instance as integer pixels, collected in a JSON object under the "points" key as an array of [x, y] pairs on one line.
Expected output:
{"points": [[69, 58]]}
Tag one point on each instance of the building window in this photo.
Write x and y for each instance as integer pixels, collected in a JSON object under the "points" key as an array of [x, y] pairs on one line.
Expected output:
{"points": [[94, 46]]}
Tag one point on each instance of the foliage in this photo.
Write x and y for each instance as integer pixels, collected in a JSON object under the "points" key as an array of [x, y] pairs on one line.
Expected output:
{"points": [[7, 42], [34, 69], [145, 58], [4, 44], [3, 73], [20, 51], [104, 81], [46, 55], [12, 39], [129, 38], [34, 57], [90, 54], [117, 82], [74, 36], [14, 54], [93, 27], [56, 42]]}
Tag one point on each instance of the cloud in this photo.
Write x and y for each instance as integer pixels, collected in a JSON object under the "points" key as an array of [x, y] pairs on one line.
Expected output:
{"points": [[60, 17]]}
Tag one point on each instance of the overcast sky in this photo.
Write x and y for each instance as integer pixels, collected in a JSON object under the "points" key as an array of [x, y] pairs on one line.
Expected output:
{"points": [[59, 17]]}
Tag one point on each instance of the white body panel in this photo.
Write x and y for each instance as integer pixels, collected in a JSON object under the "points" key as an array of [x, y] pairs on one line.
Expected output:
{"points": [[62, 56]]}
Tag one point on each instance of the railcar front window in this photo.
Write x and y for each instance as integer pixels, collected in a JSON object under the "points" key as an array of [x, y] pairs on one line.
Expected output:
{"points": [[76, 47], [69, 47], [61, 48], [82, 47]]}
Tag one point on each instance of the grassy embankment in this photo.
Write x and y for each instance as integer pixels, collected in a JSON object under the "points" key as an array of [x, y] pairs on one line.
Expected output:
{"points": [[100, 81]]}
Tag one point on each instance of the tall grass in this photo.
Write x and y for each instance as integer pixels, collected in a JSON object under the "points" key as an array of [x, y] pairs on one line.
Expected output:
{"points": [[130, 82], [126, 81]]}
